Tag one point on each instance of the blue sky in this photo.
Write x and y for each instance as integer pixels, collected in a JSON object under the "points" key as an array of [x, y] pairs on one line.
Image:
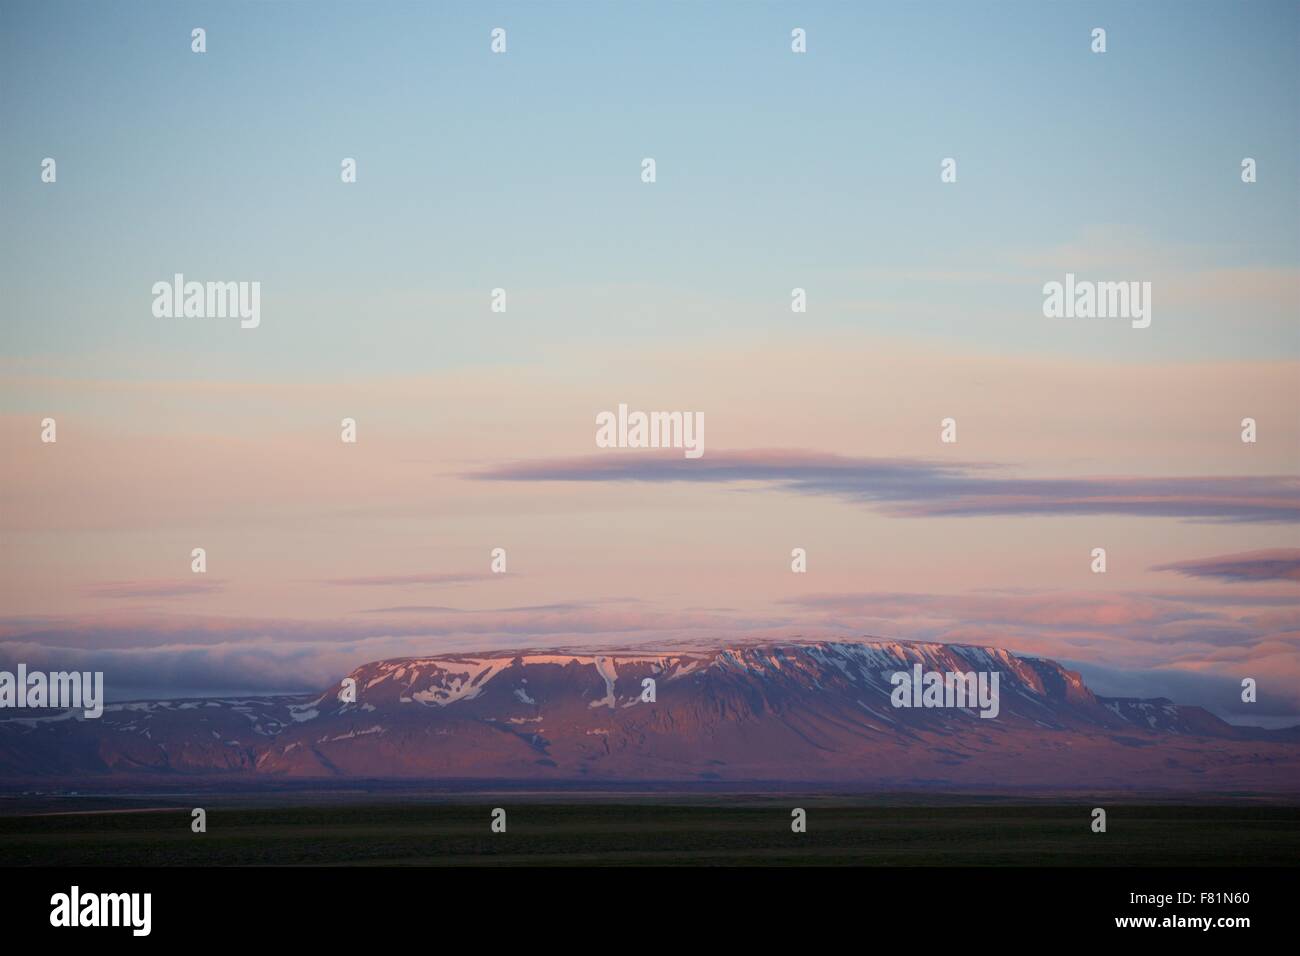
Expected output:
{"points": [[521, 171]]}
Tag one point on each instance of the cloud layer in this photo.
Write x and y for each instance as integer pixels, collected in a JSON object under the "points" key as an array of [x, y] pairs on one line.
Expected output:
{"points": [[1278, 564], [923, 488]]}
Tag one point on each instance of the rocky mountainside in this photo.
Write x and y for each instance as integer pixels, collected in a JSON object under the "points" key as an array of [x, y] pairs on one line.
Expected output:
{"points": [[798, 712]]}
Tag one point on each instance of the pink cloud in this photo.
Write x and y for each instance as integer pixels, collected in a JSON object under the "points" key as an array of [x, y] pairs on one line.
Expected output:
{"points": [[155, 589], [1277, 564]]}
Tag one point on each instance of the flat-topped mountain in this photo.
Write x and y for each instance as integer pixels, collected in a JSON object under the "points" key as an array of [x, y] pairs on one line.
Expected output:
{"points": [[813, 712]]}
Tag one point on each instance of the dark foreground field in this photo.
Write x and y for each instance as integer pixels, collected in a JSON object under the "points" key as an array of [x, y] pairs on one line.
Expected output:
{"points": [[547, 832]]}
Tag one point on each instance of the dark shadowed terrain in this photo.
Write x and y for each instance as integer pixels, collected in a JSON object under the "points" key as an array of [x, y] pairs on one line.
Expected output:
{"points": [[553, 829]]}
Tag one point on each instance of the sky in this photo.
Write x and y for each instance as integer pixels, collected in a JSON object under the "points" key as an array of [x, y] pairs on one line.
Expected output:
{"points": [[774, 171]]}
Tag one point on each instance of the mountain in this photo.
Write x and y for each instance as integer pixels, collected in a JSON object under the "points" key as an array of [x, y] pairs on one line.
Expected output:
{"points": [[797, 712]]}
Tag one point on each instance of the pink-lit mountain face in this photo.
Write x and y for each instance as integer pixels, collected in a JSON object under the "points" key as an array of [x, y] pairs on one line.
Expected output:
{"points": [[806, 712]]}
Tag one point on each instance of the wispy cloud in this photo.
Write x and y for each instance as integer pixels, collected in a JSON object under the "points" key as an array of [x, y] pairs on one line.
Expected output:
{"points": [[405, 580], [911, 487], [155, 589], [1280, 564], [440, 609], [145, 655]]}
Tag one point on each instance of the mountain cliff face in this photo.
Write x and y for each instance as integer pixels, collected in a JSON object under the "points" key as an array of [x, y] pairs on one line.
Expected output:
{"points": [[805, 712]]}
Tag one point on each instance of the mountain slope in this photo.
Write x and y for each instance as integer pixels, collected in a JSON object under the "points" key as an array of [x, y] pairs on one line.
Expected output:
{"points": [[814, 712]]}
